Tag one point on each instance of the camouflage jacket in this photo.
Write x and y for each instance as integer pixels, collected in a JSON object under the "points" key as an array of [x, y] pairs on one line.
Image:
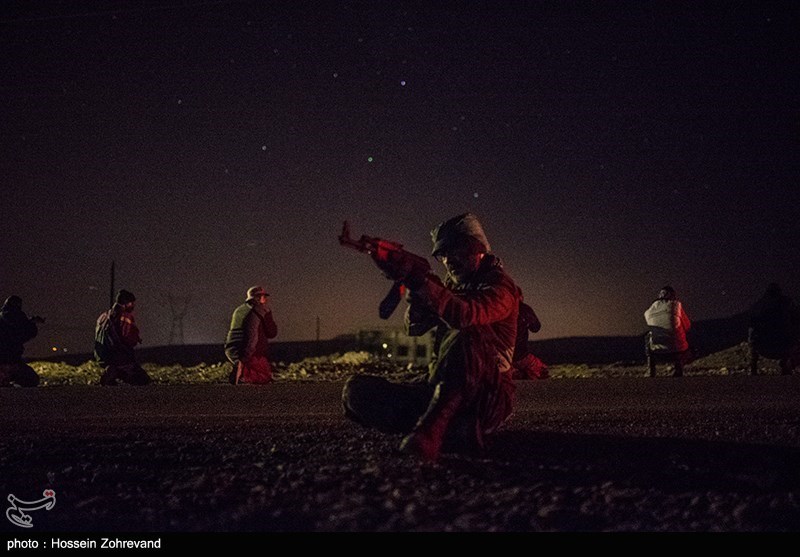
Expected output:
{"points": [[485, 307]]}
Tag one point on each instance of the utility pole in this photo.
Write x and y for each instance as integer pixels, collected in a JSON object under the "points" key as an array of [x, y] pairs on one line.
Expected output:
{"points": [[111, 295], [178, 306], [317, 328]]}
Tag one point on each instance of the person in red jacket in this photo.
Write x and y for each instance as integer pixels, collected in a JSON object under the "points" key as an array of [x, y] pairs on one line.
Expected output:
{"points": [[469, 392], [116, 336], [247, 343]]}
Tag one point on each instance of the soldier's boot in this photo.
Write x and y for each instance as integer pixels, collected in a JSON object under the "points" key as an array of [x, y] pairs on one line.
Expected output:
{"points": [[109, 377], [138, 377], [426, 439]]}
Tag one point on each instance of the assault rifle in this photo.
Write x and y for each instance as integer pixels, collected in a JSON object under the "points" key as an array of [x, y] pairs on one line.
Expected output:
{"points": [[390, 257]]}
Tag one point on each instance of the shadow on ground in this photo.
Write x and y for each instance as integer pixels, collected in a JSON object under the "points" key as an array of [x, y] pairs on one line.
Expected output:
{"points": [[666, 463]]}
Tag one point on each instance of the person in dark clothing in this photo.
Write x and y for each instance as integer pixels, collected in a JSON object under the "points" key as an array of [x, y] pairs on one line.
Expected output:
{"points": [[469, 392], [247, 343], [775, 330], [116, 336], [526, 365], [16, 329]]}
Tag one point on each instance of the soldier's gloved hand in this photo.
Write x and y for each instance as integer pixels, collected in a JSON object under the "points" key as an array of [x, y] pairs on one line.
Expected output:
{"points": [[399, 265], [416, 280], [416, 277], [389, 269], [418, 273]]}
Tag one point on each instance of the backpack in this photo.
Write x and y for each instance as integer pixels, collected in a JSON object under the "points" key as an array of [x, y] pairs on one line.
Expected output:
{"points": [[106, 338]]}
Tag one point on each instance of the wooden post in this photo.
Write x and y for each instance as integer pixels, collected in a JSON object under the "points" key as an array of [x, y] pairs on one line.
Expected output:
{"points": [[111, 295]]}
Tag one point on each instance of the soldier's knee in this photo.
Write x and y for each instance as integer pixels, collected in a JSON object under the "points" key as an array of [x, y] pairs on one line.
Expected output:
{"points": [[356, 390], [24, 376], [29, 381], [141, 379], [353, 397]]}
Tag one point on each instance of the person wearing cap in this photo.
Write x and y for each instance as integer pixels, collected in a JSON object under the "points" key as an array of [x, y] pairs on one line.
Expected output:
{"points": [[247, 343], [667, 325], [774, 331], [116, 336], [469, 392], [16, 329]]}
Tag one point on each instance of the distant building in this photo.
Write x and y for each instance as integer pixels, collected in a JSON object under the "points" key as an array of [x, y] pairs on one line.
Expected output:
{"points": [[396, 345]]}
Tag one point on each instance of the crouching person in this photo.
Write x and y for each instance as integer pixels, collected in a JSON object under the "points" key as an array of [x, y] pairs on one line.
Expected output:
{"points": [[16, 329], [667, 324], [775, 330], [116, 336], [469, 392], [247, 343]]}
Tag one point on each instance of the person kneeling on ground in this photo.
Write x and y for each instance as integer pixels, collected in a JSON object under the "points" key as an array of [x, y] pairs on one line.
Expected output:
{"points": [[247, 343], [775, 330], [666, 336], [116, 335], [16, 329]]}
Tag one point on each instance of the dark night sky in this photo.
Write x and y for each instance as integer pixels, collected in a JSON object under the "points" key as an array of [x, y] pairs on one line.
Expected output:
{"points": [[609, 148]]}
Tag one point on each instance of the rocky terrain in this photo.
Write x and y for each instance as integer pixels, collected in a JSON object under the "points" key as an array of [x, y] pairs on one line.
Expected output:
{"points": [[716, 450]]}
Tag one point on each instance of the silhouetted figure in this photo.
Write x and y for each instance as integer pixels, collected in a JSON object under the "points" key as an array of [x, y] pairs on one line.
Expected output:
{"points": [[16, 329], [775, 330], [525, 364], [667, 324], [116, 336], [469, 392], [247, 343]]}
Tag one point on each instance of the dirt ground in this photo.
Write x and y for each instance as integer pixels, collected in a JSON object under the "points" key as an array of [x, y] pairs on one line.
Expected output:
{"points": [[711, 453]]}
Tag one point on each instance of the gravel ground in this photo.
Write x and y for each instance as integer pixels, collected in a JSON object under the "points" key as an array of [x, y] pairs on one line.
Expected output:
{"points": [[704, 453]]}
